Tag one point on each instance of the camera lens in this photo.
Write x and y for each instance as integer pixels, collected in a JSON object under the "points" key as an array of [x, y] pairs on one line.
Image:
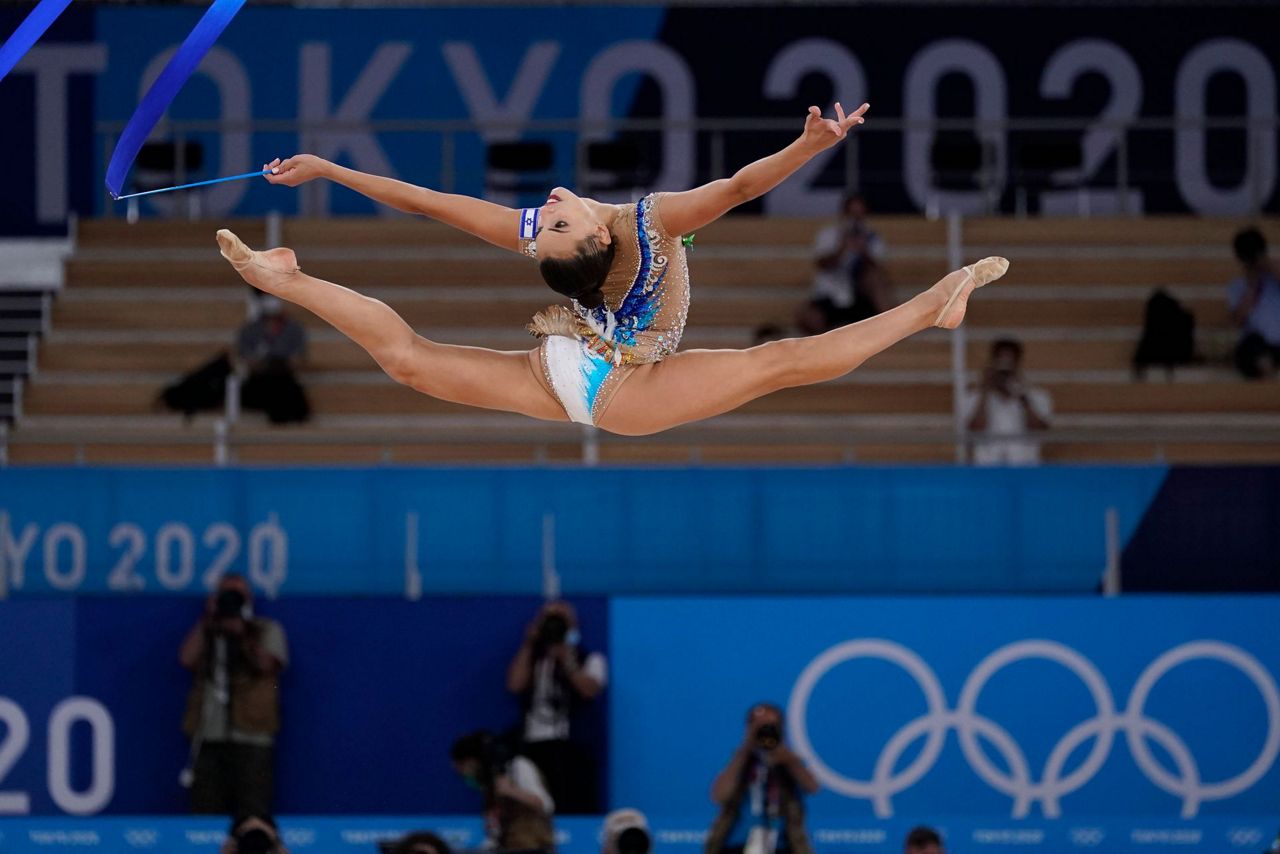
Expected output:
{"points": [[554, 629], [768, 736], [255, 841], [633, 840], [230, 603]]}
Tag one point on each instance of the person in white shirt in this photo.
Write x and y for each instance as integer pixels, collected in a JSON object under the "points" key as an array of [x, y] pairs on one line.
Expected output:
{"points": [[1004, 406], [552, 673], [848, 279], [1254, 303]]}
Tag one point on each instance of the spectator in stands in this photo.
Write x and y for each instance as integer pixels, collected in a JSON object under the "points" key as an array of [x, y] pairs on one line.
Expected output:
{"points": [[233, 709], [1254, 303], [760, 792], [420, 842], [1004, 406], [552, 673], [849, 283], [923, 840], [270, 348], [253, 833], [517, 806]]}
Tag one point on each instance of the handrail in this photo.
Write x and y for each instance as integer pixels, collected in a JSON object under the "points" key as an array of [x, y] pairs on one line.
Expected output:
{"points": [[706, 434], [223, 439], [588, 129], [708, 125]]}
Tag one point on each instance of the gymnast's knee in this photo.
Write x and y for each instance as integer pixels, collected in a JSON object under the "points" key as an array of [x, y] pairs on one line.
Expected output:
{"points": [[400, 362]]}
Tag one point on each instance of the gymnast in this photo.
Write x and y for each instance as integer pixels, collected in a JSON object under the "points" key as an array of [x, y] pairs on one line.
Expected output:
{"points": [[609, 359]]}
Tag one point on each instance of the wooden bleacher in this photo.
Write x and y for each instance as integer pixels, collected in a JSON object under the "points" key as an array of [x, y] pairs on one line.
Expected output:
{"points": [[145, 303]]}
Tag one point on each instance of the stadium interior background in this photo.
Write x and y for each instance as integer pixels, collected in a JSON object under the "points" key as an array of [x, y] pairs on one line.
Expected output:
{"points": [[1051, 628]]}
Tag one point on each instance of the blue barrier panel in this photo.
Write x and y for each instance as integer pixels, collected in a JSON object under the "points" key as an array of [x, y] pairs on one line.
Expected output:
{"points": [[1016, 707], [375, 692], [463, 64], [359, 835], [620, 530]]}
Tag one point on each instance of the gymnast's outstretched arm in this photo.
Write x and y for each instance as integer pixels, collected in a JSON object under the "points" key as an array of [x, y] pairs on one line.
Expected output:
{"points": [[692, 209], [490, 222]]}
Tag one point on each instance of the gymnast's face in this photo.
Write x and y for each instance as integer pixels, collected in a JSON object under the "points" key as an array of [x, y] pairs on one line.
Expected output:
{"points": [[566, 221]]}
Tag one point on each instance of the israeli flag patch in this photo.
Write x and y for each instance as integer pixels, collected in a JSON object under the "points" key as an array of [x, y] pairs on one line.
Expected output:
{"points": [[529, 223]]}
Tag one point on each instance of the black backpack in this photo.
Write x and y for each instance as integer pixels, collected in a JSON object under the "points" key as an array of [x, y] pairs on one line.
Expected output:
{"points": [[203, 389], [1168, 335]]}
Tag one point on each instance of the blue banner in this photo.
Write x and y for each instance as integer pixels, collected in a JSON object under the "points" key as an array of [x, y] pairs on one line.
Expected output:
{"points": [[357, 80], [1031, 723], [383, 531], [460, 64], [92, 697], [357, 835], [1042, 710]]}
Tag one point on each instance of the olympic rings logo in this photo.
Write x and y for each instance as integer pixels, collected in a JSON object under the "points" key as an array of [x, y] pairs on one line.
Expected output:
{"points": [[141, 837], [1087, 837], [1018, 782], [1245, 837]]}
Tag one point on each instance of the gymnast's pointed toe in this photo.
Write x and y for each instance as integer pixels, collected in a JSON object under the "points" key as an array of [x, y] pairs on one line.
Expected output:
{"points": [[268, 270], [958, 286], [234, 249], [988, 270]]}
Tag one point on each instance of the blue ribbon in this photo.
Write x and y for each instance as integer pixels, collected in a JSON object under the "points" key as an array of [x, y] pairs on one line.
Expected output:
{"points": [[29, 32], [165, 89]]}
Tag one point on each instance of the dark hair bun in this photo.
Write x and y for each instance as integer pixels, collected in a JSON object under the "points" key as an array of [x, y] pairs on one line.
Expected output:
{"points": [[580, 276], [591, 299]]}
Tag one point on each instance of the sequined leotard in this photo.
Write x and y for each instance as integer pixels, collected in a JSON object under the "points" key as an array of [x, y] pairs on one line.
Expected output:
{"points": [[588, 353]]}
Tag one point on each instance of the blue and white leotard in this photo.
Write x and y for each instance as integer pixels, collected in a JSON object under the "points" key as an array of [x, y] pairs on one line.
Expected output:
{"points": [[588, 353]]}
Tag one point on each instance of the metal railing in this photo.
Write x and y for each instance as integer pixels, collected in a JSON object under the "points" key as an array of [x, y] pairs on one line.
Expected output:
{"points": [[224, 440], [709, 141]]}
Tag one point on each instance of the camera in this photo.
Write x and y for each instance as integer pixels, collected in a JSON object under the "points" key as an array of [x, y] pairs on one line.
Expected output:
{"points": [[554, 629], [633, 840], [768, 736], [229, 604], [626, 831]]}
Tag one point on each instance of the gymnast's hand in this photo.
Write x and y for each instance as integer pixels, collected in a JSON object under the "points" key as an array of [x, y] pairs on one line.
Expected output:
{"points": [[298, 169], [820, 133]]}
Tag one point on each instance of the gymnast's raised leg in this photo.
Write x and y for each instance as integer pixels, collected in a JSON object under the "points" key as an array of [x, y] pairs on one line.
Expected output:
{"points": [[696, 384], [475, 376]]}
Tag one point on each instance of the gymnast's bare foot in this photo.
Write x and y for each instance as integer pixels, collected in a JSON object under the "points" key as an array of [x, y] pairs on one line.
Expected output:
{"points": [[954, 289], [264, 270]]}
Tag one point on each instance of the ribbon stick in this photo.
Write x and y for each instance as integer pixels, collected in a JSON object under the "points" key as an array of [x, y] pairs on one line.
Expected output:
{"points": [[257, 174], [29, 32], [165, 89]]}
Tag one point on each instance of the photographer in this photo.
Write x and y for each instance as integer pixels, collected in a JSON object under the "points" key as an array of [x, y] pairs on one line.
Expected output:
{"points": [[923, 840], [233, 709], [253, 834], [550, 673], [760, 792], [849, 281], [1005, 406], [419, 842], [626, 831], [517, 806]]}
